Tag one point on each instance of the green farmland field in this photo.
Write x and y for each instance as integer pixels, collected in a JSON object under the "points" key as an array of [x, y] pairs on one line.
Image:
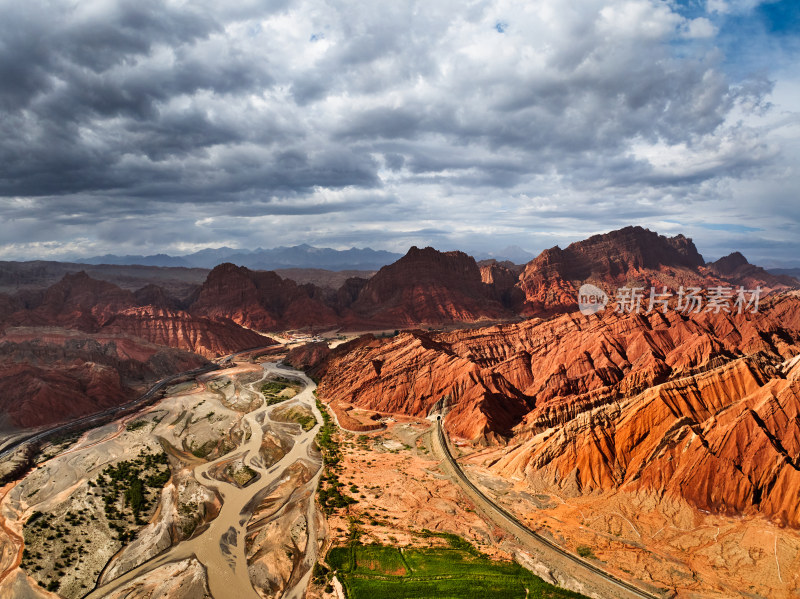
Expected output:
{"points": [[371, 571]]}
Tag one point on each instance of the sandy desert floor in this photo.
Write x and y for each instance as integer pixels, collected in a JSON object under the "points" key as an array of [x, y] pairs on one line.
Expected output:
{"points": [[667, 543]]}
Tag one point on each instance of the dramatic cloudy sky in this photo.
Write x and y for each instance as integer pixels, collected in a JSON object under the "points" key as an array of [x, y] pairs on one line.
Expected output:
{"points": [[144, 126]]}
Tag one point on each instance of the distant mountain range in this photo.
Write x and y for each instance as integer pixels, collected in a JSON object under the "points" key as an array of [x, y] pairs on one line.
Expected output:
{"points": [[512, 253], [299, 256], [789, 272]]}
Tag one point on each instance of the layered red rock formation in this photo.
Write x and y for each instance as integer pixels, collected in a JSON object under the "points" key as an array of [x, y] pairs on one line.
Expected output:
{"points": [[347, 421], [653, 402], [261, 300], [113, 348], [77, 302], [425, 287], [81, 303], [631, 257], [53, 375], [413, 373], [428, 287], [503, 279], [736, 269], [307, 355], [176, 328], [725, 441]]}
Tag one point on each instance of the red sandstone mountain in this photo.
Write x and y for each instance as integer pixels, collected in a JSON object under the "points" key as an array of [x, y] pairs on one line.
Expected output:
{"points": [[428, 287], [725, 440], [736, 269], [261, 300], [176, 328], [503, 279], [550, 282], [113, 348], [424, 287], [53, 375], [81, 303], [76, 301], [307, 355], [654, 402], [629, 257]]}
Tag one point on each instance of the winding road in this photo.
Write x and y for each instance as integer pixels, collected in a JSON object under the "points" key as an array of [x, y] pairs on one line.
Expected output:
{"points": [[583, 571]]}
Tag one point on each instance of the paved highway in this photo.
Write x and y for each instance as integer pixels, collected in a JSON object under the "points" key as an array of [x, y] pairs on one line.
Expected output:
{"points": [[584, 571]]}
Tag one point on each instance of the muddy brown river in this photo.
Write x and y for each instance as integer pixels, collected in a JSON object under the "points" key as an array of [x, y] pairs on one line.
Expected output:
{"points": [[220, 548]]}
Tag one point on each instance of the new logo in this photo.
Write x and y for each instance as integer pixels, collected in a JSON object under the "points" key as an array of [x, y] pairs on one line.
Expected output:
{"points": [[591, 299]]}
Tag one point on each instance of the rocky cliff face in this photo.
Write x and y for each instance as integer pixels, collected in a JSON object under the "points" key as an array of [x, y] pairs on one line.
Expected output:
{"points": [[725, 441], [261, 300], [77, 301], [81, 303], [413, 373], [428, 287], [652, 402], [503, 279], [736, 269], [631, 257], [424, 287], [54, 375], [176, 328], [308, 355]]}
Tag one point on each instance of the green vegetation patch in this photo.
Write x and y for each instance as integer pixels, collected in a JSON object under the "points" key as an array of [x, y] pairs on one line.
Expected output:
{"points": [[376, 559], [135, 426], [298, 414], [273, 389], [242, 474], [329, 492], [369, 571], [129, 488]]}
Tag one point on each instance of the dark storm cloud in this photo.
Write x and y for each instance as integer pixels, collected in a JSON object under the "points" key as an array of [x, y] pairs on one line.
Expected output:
{"points": [[168, 124], [40, 43]]}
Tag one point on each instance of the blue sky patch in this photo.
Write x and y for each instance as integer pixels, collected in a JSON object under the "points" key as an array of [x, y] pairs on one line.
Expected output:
{"points": [[729, 228]]}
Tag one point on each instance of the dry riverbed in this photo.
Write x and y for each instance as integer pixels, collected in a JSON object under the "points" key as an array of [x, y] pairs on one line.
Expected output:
{"points": [[149, 502]]}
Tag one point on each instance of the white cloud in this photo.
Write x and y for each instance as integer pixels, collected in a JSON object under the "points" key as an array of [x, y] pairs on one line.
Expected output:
{"points": [[376, 124], [699, 28]]}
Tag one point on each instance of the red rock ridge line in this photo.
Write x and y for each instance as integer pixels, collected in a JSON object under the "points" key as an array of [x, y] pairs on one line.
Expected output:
{"points": [[653, 403]]}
